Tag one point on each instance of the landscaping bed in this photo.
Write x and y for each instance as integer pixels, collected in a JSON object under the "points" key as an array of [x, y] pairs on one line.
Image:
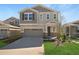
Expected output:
{"points": [[65, 49]]}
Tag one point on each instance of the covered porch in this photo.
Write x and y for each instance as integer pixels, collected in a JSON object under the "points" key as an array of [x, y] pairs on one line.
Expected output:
{"points": [[72, 30]]}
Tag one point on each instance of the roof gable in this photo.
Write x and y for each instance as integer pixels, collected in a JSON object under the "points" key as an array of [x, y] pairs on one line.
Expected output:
{"points": [[1, 23], [10, 19], [41, 8], [7, 25], [76, 22], [72, 23], [28, 10]]}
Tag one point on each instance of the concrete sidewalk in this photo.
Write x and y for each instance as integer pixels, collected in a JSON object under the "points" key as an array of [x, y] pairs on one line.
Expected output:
{"points": [[24, 46], [75, 41], [23, 51]]}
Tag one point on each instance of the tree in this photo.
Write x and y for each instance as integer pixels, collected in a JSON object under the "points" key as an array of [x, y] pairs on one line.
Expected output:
{"points": [[59, 29]]}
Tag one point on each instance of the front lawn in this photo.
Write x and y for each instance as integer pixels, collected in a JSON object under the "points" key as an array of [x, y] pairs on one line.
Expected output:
{"points": [[2, 43], [66, 49]]}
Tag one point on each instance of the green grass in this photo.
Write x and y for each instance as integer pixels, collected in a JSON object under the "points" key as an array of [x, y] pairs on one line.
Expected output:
{"points": [[66, 49], [9, 40], [2, 43]]}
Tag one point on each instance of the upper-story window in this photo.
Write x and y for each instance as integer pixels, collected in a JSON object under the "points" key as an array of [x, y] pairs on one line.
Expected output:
{"points": [[54, 16], [47, 16], [28, 16], [25, 16]]}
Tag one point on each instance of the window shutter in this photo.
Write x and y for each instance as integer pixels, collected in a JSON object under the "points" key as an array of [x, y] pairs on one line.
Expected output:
{"points": [[33, 17], [22, 16]]}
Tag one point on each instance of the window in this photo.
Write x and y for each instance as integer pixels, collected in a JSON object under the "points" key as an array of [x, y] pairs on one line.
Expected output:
{"points": [[54, 16], [77, 28], [47, 16], [25, 16], [3, 30], [28, 16], [67, 29]]}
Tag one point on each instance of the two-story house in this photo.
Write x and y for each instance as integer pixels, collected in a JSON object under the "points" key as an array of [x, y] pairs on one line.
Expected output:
{"points": [[39, 21]]}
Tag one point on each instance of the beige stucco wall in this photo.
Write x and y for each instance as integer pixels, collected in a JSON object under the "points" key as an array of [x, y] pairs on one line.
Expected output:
{"points": [[40, 26], [5, 31], [46, 22], [43, 21], [31, 26], [44, 17], [26, 21], [53, 27]]}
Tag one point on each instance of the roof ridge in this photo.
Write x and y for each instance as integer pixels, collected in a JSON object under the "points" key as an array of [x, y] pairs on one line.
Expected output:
{"points": [[44, 7], [24, 9]]}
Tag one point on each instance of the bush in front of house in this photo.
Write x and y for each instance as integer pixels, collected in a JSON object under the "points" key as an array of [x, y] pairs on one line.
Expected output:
{"points": [[62, 38]]}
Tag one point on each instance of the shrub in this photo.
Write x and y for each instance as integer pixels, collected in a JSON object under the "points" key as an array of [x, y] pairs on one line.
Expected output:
{"points": [[63, 37]]}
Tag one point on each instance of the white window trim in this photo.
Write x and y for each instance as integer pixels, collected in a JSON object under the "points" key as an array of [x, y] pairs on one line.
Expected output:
{"points": [[28, 17]]}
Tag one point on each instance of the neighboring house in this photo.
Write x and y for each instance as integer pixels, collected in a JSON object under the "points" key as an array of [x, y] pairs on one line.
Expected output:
{"points": [[72, 28], [39, 21], [7, 30], [12, 21]]}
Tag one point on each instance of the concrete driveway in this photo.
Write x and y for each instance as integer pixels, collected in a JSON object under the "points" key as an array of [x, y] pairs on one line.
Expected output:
{"points": [[23, 46]]}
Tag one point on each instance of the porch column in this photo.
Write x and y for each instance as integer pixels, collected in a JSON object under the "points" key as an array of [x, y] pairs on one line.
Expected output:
{"points": [[69, 31]]}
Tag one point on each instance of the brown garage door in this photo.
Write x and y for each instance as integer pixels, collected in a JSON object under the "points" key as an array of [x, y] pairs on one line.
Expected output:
{"points": [[33, 33]]}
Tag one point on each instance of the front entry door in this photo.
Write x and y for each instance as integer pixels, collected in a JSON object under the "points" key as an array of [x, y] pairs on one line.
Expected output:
{"points": [[48, 29]]}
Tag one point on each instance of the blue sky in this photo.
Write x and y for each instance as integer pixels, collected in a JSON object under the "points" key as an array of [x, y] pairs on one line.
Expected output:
{"points": [[70, 12]]}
